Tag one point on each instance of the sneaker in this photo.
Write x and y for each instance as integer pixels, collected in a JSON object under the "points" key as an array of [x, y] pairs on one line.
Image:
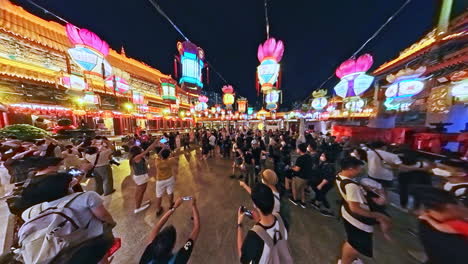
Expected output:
{"points": [[302, 205], [326, 213], [141, 209], [315, 205], [293, 201]]}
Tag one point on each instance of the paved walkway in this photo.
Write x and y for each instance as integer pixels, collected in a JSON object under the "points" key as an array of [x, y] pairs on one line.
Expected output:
{"points": [[314, 239]]}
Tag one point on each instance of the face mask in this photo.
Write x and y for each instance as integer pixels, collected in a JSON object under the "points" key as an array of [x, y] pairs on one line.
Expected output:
{"points": [[323, 159], [353, 155]]}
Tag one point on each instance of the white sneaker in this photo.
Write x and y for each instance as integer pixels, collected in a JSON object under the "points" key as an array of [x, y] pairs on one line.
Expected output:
{"points": [[358, 261], [141, 209]]}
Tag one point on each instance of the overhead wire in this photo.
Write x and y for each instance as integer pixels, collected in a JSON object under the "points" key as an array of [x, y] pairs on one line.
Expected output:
{"points": [[162, 13], [367, 41], [47, 11]]}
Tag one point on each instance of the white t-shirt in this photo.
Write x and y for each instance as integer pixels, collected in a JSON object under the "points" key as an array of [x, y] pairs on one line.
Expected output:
{"points": [[377, 170], [212, 140], [354, 193], [104, 157]]}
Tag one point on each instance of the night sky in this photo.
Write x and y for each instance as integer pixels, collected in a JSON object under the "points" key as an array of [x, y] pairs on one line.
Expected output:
{"points": [[318, 35]]}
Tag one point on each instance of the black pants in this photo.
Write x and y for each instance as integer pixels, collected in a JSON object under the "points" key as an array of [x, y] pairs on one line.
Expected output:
{"points": [[321, 195], [408, 180]]}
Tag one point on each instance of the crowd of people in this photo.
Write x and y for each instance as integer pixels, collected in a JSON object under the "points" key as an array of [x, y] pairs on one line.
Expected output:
{"points": [[277, 169]]}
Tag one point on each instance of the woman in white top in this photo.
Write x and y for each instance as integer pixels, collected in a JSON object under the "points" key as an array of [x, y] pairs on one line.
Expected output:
{"points": [[270, 179]]}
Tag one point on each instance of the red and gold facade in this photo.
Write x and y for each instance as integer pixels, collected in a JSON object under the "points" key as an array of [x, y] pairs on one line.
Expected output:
{"points": [[38, 77]]}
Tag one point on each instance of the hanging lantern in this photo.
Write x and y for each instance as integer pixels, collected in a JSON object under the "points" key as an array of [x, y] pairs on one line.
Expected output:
{"points": [[320, 101], [228, 97], [192, 62], [138, 98], [271, 99], [168, 90], [242, 105], [120, 85], [269, 54], [250, 110], [202, 104], [354, 81], [91, 98]]}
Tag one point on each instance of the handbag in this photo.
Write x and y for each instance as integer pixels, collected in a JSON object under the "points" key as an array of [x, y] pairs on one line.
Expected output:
{"points": [[90, 173]]}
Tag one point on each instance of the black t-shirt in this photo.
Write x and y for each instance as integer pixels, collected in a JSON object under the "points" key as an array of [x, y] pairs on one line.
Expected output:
{"points": [[442, 248], [257, 153], [305, 163], [248, 158], [181, 257]]}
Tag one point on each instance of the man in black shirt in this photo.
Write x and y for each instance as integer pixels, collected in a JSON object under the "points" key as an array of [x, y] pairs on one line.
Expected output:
{"points": [[303, 171]]}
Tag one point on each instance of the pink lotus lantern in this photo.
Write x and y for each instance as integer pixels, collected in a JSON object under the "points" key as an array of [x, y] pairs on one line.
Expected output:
{"points": [[354, 81], [269, 54], [228, 97], [89, 50], [202, 103]]}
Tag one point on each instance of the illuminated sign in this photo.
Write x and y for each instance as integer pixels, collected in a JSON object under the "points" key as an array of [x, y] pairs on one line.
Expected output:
{"points": [[120, 85], [74, 82], [319, 103], [407, 87], [399, 103], [354, 80], [460, 90], [354, 104]]}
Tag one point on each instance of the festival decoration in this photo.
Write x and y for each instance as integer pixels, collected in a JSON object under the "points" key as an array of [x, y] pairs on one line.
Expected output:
{"points": [[228, 97], [89, 51], [91, 98], [73, 82], [168, 90], [460, 86], [250, 110], [23, 132], [354, 81], [138, 98], [438, 101], [120, 85], [320, 101], [271, 99], [202, 103], [175, 107], [242, 105], [354, 104], [191, 59], [269, 54], [404, 85]]}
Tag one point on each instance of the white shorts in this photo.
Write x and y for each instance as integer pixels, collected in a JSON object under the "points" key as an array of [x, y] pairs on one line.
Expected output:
{"points": [[165, 186], [141, 179]]}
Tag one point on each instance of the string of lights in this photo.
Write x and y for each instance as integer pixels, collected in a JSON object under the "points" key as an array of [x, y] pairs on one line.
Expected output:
{"points": [[366, 42]]}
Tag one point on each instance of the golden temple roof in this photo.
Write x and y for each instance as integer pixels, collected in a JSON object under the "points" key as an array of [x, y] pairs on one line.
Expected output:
{"points": [[17, 21]]}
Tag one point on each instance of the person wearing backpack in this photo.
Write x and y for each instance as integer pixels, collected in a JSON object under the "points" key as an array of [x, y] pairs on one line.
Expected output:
{"points": [[267, 241], [358, 218], [75, 228]]}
